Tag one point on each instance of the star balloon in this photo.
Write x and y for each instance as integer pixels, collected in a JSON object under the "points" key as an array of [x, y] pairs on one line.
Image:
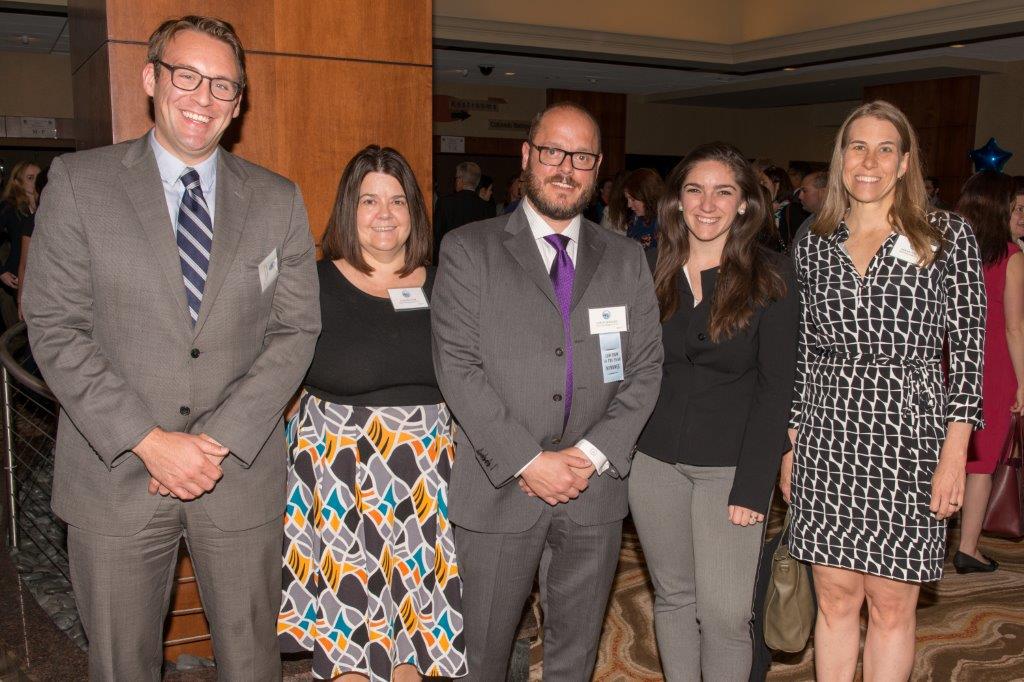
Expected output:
{"points": [[990, 156]]}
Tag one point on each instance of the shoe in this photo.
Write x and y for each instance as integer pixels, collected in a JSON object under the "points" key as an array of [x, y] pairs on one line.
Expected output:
{"points": [[965, 563]]}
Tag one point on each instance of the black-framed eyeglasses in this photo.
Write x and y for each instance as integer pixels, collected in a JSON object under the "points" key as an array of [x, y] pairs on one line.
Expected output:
{"points": [[188, 79], [553, 156]]}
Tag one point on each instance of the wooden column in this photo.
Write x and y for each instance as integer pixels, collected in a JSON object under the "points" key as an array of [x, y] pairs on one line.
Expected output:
{"points": [[944, 112], [326, 78], [610, 111]]}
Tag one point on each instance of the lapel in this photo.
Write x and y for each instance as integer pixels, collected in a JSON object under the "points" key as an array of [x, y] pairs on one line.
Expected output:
{"points": [[588, 257], [520, 243], [228, 224], [141, 180]]}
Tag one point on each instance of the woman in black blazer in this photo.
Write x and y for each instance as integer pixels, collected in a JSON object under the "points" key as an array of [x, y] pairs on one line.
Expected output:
{"points": [[702, 480]]}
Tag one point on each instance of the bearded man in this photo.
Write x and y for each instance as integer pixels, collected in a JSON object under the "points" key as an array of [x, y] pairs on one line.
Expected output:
{"points": [[547, 346]]}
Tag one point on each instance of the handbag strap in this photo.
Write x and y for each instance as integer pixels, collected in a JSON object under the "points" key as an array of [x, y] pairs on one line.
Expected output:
{"points": [[1015, 453], [1014, 436]]}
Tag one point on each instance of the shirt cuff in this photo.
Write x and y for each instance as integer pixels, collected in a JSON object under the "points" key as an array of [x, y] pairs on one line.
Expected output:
{"points": [[520, 472], [595, 456]]}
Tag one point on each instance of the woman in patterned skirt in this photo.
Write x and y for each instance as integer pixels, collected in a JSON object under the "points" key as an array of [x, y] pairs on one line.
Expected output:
{"points": [[880, 443], [371, 582]]}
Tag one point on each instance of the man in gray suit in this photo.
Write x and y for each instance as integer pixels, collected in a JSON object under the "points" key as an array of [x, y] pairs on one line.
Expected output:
{"points": [[172, 305], [547, 347]]}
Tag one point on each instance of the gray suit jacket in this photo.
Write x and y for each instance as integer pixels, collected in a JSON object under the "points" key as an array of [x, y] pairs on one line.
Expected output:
{"points": [[497, 351], [109, 327]]}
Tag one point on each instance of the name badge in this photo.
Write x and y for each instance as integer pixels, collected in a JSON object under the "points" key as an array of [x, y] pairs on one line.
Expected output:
{"points": [[268, 271], [611, 356], [605, 320], [905, 251], [411, 298]]}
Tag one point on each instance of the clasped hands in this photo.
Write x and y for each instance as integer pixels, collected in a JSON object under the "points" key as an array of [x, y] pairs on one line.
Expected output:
{"points": [[557, 477], [181, 464]]}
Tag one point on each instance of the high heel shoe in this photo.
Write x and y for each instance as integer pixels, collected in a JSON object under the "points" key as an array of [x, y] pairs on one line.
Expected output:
{"points": [[965, 563]]}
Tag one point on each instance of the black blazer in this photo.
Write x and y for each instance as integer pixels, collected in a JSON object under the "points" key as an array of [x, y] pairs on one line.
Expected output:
{"points": [[727, 403]]}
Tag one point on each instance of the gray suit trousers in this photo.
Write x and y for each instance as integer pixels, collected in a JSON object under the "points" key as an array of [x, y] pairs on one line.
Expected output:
{"points": [[498, 571], [123, 587]]}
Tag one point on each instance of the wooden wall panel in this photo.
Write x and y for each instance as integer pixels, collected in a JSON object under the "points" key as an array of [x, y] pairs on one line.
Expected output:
{"points": [[382, 30], [944, 113], [92, 99], [610, 111]]}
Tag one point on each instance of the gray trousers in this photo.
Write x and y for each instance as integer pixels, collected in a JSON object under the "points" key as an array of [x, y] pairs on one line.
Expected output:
{"points": [[123, 588], [703, 568], [498, 571]]}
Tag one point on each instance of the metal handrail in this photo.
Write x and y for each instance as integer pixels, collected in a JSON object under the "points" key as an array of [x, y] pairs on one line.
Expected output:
{"points": [[10, 368], [16, 370]]}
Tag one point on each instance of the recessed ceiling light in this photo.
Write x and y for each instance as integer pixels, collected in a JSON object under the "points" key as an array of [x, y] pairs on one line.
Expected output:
{"points": [[510, 73], [957, 45], [790, 68]]}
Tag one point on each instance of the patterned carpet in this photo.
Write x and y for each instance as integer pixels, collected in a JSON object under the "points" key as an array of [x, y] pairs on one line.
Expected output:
{"points": [[970, 627]]}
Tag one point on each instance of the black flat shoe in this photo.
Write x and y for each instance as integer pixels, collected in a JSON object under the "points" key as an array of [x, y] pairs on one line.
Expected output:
{"points": [[965, 563]]}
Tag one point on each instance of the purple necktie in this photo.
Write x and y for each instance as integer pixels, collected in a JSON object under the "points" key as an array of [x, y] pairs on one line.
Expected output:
{"points": [[562, 275]]}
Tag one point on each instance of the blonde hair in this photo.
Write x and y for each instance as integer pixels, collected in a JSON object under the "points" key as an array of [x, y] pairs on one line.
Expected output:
{"points": [[14, 193], [908, 214]]}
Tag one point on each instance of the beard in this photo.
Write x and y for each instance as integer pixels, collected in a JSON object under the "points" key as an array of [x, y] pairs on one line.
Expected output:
{"points": [[534, 188]]}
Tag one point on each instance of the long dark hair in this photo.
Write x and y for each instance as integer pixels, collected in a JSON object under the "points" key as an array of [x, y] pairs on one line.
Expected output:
{"points": [[780, 178], [747, 278], [645, 185], [341, 239], [985, 203]]}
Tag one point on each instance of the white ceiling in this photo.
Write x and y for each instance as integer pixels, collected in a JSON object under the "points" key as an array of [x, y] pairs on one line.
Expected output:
{"points": [[834, 81], [34, 32]]}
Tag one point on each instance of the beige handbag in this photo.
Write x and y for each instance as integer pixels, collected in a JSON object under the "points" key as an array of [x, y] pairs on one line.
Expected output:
{"points": [[789, 609]]}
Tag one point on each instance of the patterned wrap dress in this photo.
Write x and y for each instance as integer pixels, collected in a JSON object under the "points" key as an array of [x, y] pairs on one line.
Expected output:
{"points": [[871, 404], [370, 573]]}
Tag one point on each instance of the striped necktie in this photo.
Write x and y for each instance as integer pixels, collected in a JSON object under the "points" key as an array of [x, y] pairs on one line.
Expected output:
{"points": [[195, 239]]}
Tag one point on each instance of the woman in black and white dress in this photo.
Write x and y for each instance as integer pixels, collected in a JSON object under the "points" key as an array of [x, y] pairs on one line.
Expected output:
{"points": [[880, 442]]}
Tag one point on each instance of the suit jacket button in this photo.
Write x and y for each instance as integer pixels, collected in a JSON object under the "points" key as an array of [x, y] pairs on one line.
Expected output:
{"points": [[194, 352], [701, 337], [556, 440], [559, 352], [184, 410], [557, 397]]}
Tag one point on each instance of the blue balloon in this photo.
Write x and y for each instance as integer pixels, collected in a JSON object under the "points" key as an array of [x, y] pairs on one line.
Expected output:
{"points": [[990, 157]]}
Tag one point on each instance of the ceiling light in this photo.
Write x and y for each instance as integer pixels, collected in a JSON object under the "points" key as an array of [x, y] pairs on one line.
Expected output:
{"points": [[957, 45], [790, 68], [510, 73]]}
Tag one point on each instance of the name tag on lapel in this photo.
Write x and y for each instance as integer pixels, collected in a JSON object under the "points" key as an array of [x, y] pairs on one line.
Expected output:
{"points": [[268, 271], [905, 251], [607, 320]]}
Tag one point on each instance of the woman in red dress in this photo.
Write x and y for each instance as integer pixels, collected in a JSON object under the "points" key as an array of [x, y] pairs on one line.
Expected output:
{"points": [[986, 203]]}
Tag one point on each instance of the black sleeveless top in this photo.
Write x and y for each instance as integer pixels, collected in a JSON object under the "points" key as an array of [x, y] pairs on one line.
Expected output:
{"points": [[368, 353]]}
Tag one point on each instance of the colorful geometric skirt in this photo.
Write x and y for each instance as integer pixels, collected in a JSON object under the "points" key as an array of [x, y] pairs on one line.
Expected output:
{"points": [[370, 576]]}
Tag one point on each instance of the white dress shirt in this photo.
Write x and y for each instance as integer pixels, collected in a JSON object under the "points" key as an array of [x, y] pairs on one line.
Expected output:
{"points": [[540, 229], [171, 170]]}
